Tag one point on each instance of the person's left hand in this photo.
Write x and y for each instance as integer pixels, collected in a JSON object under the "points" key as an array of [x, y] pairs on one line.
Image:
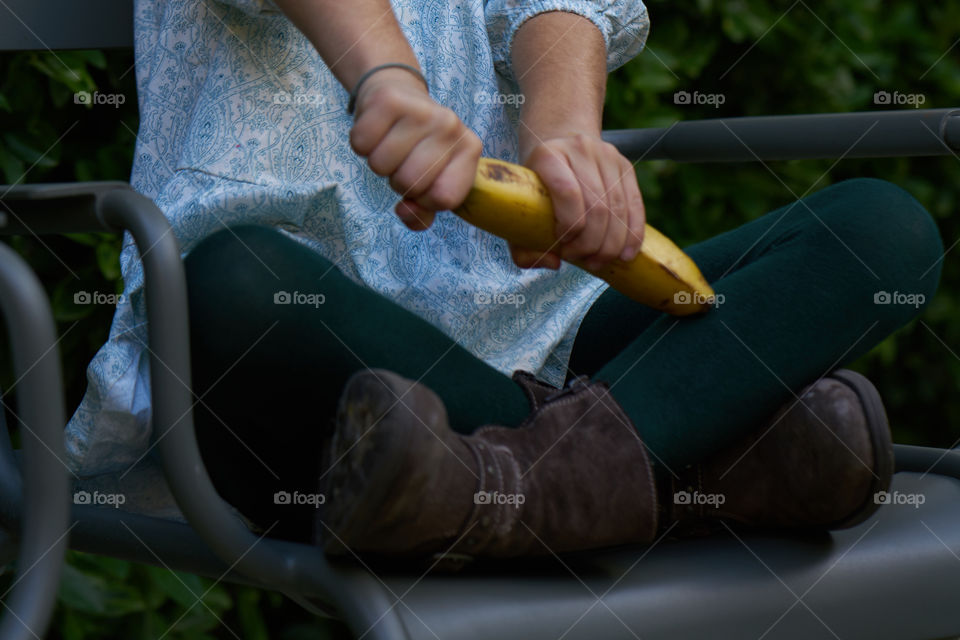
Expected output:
{"points": [[597, 204]]}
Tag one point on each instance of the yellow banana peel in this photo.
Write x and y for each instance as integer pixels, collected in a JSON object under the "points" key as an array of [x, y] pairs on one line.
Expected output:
{"points": [[511, 202]]}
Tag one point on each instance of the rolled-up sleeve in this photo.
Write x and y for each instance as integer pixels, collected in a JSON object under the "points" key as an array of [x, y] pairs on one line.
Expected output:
{"points": [[623, 23], [252, 7]]}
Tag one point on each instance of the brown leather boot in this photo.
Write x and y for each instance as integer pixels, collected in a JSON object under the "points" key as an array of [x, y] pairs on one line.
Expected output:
{"points": [[573, 476], [817, 464]]}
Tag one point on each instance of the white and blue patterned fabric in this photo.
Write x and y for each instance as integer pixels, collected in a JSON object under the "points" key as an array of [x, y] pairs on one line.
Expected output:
{"points": [[242, 122]]}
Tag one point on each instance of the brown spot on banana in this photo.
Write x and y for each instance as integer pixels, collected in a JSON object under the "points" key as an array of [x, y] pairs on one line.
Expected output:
{"points": [[670, 271]]}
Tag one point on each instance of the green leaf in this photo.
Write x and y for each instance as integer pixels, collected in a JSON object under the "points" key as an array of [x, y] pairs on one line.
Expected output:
{"points": [[11, 166], [88, 239], [92, 57], [111, 568], [183, 588], [108, 258], [95, 595], [153, 626], [64, 69], [197, 622], [30, 155], [72, 626], [251, 619]]}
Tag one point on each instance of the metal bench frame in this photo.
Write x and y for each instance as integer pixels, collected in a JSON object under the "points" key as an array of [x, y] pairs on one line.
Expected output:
{"points": [[216, 543]]}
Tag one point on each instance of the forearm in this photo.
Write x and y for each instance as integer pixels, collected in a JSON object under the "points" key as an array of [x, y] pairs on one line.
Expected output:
{"points": [[351, 37], [559, 60]]}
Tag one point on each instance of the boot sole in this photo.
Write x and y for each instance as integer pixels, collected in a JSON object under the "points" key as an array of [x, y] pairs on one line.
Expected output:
{"points": [[366, 456], [878, 428]]}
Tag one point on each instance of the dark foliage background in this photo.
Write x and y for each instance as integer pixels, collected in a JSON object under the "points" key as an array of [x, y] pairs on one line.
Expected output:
{"points": [[763, 57]]}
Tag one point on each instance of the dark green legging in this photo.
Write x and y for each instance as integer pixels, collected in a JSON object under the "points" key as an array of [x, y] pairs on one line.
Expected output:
{"points": [[799, 286]]}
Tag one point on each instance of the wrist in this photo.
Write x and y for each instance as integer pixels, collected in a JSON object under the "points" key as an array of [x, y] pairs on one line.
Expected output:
{"points": [[357, 62], [408, 76], [532, 135]]}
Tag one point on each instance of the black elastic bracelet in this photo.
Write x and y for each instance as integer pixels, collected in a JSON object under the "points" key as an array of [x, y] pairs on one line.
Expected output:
{"points": [[389, 65]]}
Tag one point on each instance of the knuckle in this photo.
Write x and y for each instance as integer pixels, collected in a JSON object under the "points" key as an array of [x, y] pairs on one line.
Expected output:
{"points": [[565, 190], [538, 154], [386, 96], [605, 254], [401, 183], [378, 165], [422, 117], [582, 141], [474, 145], [443, 198], [616, 202], [359, 141], [445, 120], [575, 226]]}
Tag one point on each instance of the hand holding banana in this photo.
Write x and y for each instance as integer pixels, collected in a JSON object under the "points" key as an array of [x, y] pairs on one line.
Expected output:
{"points": [[405, 135], [511, 202]]}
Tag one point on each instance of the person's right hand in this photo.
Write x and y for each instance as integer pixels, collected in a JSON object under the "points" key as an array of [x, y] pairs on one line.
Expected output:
{"points": [[428, 153]]}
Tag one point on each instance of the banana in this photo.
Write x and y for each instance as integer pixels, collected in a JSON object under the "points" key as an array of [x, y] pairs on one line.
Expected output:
{"points": [[511, 202]]}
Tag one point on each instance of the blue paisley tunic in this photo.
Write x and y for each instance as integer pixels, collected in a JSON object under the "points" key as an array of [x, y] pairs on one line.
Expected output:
{"points": [[242, 122]]}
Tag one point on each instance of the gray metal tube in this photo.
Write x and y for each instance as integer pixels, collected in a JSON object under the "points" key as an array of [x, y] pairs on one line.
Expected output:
{"points": [[869, 134], [45, 502], [944, 462]]}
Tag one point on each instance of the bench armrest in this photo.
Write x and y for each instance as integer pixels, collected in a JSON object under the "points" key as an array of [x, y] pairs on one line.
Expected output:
{"points": [[284, 566], [867, 134]]}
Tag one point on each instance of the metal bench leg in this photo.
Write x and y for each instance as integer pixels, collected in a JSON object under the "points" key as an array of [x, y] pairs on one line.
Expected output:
{"points": [[42, 507]]}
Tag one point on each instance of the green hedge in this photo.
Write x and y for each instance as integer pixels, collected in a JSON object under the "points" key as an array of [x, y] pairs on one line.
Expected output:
{"points": [[763, 58]]}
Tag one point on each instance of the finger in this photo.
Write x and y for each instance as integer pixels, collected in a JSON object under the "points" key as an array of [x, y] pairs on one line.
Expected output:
{"points": [[371, 126], [564, 189], [638, 213], [419, 169], [596, 213], [451, 186], [618, 221], [430, 156], [395, 146], [415, 217]]}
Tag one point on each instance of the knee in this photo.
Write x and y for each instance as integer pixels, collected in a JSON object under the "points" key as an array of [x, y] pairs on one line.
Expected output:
{"points": [[227, 273], [887, 233], [237, 260], [230, 246]]}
